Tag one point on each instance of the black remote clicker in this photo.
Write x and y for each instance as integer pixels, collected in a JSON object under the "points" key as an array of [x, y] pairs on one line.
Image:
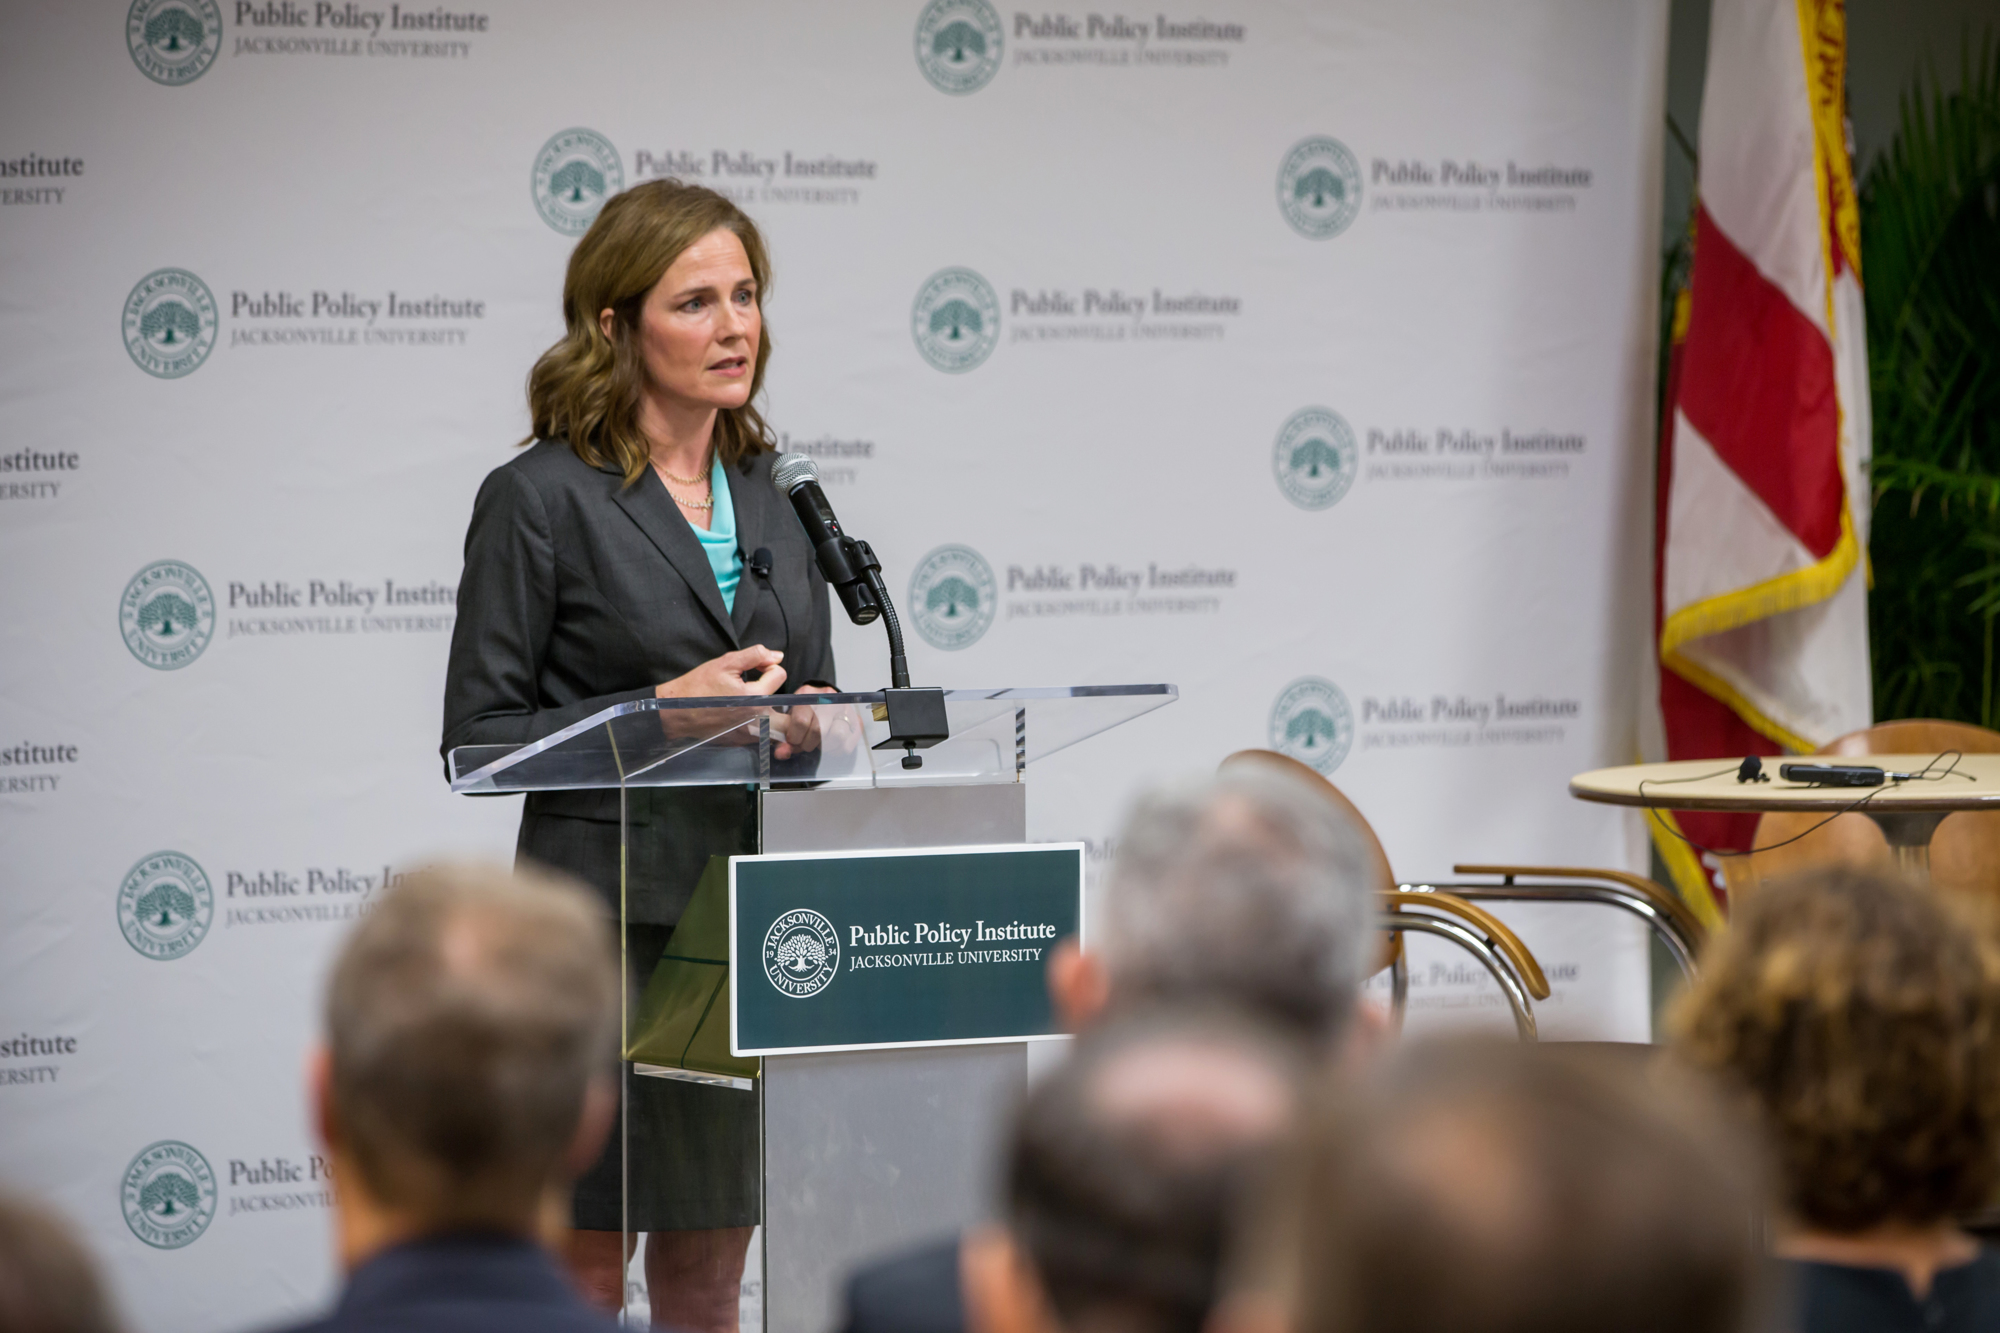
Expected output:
{"points": [[1832, 775]]}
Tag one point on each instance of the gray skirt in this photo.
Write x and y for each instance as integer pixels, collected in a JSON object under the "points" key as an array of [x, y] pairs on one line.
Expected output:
{"points": [[683, 1156], [690, 1159]]}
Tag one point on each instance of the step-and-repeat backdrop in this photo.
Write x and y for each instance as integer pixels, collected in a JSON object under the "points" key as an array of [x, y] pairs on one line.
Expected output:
{"points": [[1297, 354]]}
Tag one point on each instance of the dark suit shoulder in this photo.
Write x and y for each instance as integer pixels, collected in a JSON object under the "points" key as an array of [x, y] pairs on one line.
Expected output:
{"points": [[553, 489], [913, 1292], [462, 1317], [460, 1284], [550, 465]]}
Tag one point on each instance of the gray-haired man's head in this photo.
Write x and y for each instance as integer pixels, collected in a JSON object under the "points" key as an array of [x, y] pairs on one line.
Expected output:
{"points": [[467, 1015], [1131, 1159], [1250, 887]]}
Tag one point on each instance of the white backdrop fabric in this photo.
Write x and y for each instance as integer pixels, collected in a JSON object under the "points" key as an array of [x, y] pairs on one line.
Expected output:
{"points": [[1297, 354]]}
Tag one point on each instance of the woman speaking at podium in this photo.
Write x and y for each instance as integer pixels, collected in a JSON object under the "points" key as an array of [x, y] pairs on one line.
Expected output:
{"points": [[636, 547]]}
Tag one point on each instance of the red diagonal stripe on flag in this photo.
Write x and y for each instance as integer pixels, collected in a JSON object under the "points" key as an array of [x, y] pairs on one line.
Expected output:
{"points": [[1756, 379]]}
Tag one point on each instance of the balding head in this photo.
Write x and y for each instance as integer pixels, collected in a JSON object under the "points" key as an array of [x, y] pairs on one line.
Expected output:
{"points": [[1251, 889], [1491, 1188], [466, 1016], [1129, 1159]]}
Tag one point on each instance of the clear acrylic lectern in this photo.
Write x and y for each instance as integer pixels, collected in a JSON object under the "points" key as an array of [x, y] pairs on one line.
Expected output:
{"points": [[861, 1151]]}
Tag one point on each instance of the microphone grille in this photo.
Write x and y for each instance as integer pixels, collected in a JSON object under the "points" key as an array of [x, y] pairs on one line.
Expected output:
{"points": [[792, 470]]}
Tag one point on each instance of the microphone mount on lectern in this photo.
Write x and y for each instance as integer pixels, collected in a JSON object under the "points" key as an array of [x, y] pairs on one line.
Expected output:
{"points": [[916, 717]]}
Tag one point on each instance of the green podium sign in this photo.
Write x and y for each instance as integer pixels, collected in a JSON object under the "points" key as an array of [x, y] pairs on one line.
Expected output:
{"points": [[842, 951]]}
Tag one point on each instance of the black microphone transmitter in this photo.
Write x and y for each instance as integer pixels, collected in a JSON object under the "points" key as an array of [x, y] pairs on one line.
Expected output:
{"points": [[1833, 775]]}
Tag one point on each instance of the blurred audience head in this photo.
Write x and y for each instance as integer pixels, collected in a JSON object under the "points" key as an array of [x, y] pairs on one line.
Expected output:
{"points": [[471, 1024], [1859, 1018], [48, 1283], [1129, 1160], [1483, 1187], [1249, 888]]}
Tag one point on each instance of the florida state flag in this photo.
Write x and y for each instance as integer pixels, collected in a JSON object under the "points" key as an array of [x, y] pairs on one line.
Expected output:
{"points": [[1760, 605]]}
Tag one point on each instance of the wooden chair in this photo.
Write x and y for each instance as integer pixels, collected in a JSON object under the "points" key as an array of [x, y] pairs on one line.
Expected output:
{"points": [[1965, 852], [1471, 927]]}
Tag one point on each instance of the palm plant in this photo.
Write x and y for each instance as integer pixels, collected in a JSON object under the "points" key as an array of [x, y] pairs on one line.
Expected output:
{"points": [[1930, 244]]}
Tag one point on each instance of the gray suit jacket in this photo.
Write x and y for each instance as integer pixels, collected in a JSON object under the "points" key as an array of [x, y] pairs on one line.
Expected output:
{"points": [[580, 592]]}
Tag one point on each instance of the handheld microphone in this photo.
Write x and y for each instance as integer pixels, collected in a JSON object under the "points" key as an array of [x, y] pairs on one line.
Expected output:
{"points": [[797, 478]]}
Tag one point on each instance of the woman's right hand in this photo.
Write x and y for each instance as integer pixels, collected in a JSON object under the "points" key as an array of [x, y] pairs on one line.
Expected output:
{"points": [[721, 676]]}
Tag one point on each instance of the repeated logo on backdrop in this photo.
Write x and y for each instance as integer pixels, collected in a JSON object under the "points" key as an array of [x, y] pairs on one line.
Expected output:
{"points": [[1312, 723], [955, 320], [958, 45], [165, 906], [953, 597], [173, 41], [167, 615], [168, 1194], [177, 41], [574, 174], [1319, 187], [170, 323], [1315, 458]]}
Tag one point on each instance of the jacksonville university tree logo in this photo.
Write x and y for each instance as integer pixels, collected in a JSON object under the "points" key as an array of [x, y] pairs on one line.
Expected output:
{"points": [[1312, 723], [955, 320], [173, 41], [165, 906], [1315, 458], [1319, 188], [574, 174], [170, 323], [167, 615], [952, 598], [801, 953], [958, 45], [168, 1195]]}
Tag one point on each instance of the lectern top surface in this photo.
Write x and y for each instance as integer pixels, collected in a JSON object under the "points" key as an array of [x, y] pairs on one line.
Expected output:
{"points": [[827, 740]]}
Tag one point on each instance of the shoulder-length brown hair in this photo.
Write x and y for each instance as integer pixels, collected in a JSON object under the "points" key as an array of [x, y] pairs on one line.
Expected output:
{"points": [[585, 390]]}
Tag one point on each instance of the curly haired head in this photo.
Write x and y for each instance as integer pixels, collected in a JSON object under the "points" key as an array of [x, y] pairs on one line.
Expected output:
{"points": [[1860, 1017]]}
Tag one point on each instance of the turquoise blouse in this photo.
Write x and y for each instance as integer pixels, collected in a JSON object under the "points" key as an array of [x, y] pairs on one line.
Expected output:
{"points": [[718, 541]]}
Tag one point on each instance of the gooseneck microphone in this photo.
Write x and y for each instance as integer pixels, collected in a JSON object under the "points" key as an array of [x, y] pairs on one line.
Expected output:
{"points": [[797, 477], [917, 718]]}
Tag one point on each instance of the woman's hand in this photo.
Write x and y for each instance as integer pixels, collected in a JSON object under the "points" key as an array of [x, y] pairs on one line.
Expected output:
{"points": [[799, 729], [724, 675]]}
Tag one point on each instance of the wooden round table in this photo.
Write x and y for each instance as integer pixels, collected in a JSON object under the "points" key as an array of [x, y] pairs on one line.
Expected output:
{"points": [[1908, 813]]}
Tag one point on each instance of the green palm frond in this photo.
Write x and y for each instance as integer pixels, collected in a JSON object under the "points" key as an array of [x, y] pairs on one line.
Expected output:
{"points": [[1930, 239]]}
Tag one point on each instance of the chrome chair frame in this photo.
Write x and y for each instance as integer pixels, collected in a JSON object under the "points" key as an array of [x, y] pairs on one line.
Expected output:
{"points": [[1467, 939], [1679, 932]]}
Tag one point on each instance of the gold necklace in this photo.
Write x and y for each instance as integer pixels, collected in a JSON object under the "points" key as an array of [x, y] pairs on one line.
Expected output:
{"points": [[709, 503], [685, 481]]}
